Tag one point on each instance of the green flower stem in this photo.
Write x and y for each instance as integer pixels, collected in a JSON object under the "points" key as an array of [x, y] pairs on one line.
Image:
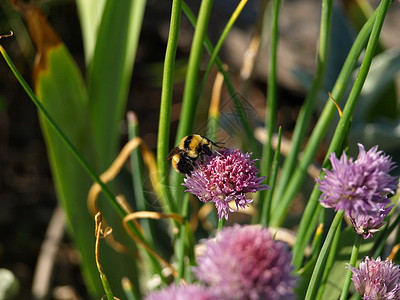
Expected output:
{"points": [[329, 263], [322, 125], [137, 174], [106, 286], [234, 95], [306, 228], [304, 118], [343, 124], [180, 243], [189, 99], [352, 262], [315, 140], [107, 192], [266, 205], [192, 75], [221, 224], [323, 255], [270, 117], [318, 234], [166, 102], [138, 184], [219, 44]]}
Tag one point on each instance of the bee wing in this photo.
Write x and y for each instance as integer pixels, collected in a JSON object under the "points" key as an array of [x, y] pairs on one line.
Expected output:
{"points": [[218, 144], [174, 151]]}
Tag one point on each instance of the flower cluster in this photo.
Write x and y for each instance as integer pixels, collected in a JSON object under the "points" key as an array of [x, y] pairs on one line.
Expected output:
{"points": [[360, 188], [224, 178], [242, 262], [376, 279], [245, 261]]}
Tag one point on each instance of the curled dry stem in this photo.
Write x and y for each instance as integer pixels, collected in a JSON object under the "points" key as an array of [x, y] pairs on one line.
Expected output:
{"points": [[117, 165], [7, 35], [110, 174], [102, 233], [152, 215]]}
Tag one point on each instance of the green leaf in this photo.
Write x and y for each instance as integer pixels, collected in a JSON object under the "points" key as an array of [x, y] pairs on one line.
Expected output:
{"points": [[110, 73], [61, 90], [90, 12]]}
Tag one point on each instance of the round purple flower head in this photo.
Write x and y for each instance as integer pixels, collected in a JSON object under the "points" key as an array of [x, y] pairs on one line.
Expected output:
{"points": [[360, 186], [245, 262], [223, 178], [376, 279], [183, 292]]}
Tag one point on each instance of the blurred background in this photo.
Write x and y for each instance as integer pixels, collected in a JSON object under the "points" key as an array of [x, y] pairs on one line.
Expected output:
{"points": [[27, 197]]}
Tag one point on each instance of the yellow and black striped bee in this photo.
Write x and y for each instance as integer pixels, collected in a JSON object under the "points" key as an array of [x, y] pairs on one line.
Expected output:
{"points": [[190, 149]]}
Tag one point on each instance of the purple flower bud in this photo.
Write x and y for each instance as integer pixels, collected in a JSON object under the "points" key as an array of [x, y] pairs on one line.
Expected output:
{"points": [[245, 262], [376, 279], [225, 178]]}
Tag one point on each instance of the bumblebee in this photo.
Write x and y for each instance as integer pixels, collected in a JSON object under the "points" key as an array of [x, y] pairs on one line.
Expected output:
{"points": [[190, 149]]}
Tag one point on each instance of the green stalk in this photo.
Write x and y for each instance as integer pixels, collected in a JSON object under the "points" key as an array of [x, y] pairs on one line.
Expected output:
{"points": [[353, 260], [342, 126], [304, 118], [266, 206], [221, 224], [234, 95], [322, 125], [322, 256], [166, 102], [138, 184], [270, 116], [219, 44], [192, 75], [306, 228], [137, 173], [319, 234], [314, 142], [189, 103], [272, 101], [329, 263], [180, 243]]}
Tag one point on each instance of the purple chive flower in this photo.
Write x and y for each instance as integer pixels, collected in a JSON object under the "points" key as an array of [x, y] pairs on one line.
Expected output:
{"points": [[360, 186], [183, 292], [376, 279], [224, 178], [369, 224], [245, 262]]}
